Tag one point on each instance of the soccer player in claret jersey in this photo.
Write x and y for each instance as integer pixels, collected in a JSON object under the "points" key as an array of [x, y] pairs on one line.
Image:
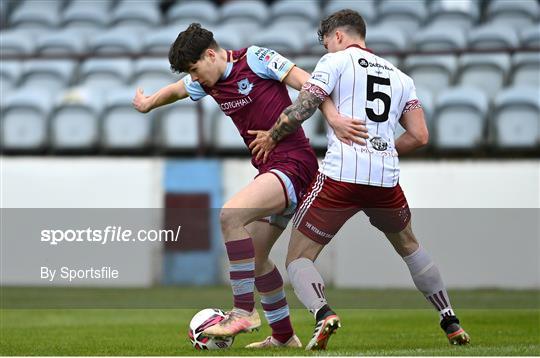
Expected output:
{"points": [[249, 86], [352, 177]]}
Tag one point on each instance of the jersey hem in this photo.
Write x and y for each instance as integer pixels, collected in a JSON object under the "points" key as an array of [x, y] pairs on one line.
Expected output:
{"points": [[355, 181]]}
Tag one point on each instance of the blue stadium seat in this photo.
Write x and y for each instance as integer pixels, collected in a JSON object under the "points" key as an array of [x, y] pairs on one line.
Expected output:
{"points": [[440, 37], [526, 69], [366, 8], [75, 121], [49, 75], [530, 37], [245, 11], [10, 74], [279, 39], [458, 14], [435, 72], [23, 119], [158, 42], [151, 74], [460, 120], [64, 42], [202, 11], [404, 15], [87, 15], [514, 13], [177, 127], [492, 37], [125, 129], [105, 74], [117, 41], [137, 14], [516, 120], [485, 71], [16, 42], [36, 14], [386, 39]]}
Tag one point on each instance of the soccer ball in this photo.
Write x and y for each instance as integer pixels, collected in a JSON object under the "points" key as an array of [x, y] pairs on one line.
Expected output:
{"points": [[202, 320]]}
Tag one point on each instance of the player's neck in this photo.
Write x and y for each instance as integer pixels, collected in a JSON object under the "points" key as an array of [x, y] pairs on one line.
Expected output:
{"points": [[222, 61], [355, 42]]}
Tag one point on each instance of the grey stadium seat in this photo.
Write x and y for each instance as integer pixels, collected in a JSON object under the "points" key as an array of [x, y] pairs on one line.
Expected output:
{"points": [[279, 39], [87, 15], [440, 37], [65, 42], [405, 15], [151, 74], [36, 14], [245, 11], [460, 120], [486, 71], [526, 69], [123, 127], [10, 74], [137, 14], [117, 41], [291, 10], [47, 75], [530, 37], [225, 136], [158, 42], [434, 72], [517, 118], [312, 44], [75, 120], [366, 8], [307, 63], [514, 13], [177, 127], [16, 42], [105, 74], [386, 39], [24, 117], [459, 14], [202, 11], [492, 37], [229, 38]]}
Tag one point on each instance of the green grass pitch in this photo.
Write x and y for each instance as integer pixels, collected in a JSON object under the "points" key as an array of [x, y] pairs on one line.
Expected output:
{"points": [[499, 322]]}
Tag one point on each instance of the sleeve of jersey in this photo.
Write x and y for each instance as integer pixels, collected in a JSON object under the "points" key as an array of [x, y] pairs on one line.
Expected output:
{"points": [[412, 99], [194, 89], [326, 73], [268, 64]]}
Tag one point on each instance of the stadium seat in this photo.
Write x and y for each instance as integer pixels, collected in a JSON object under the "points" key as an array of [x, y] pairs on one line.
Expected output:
{"points": [[492, 37], [202, 11], [514, 13], [366, 8], [229, 38], [245, 12], [225, 135], [526, 69], [117, 41], [312, 44], [434, 72], [307, 63], [87, 15], [460, 119], [516, 119], [386, 39], [137, 14], [105, 74], [125, 129], [177, 127], [457, 14], [440, 38], [404, 15], [159, 42], [10, 74], [151, 74], [16, 42], [49, 75], [23, 119], [530, 37], [36, 14], [75, 121], [65, 42], [295, 11], [486, 71], [279, 39]]}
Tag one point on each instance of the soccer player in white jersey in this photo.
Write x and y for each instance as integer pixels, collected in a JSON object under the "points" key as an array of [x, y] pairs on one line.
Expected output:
{"points": [[357, 178]]}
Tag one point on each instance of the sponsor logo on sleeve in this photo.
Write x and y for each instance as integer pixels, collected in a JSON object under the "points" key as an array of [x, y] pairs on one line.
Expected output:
{"points": [[277, 63], [321, 76]]}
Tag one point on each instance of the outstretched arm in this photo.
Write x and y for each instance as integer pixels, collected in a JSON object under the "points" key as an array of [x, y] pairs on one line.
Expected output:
{"points": [[164, 96]]}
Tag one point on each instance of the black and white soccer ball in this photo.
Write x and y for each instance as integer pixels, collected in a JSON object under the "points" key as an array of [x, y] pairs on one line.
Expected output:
{"points": [[201, 321]]}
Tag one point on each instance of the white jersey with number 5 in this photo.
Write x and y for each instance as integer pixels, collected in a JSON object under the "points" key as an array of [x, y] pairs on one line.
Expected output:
{"points": [[367, 87]]}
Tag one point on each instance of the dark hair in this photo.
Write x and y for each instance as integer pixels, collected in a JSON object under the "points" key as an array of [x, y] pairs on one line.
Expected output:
{"points": [[189, 47], [351, 20]]}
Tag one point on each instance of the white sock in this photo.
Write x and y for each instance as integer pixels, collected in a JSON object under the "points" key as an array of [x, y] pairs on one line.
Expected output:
{"points": [[308, 284], [428, 280]]}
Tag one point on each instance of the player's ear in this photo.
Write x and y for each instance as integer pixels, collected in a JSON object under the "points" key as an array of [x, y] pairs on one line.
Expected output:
{"points": [[211, 53]]}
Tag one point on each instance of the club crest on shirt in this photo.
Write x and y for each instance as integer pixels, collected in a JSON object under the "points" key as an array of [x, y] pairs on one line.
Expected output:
{"points": [[378, 143], [244, 86]]}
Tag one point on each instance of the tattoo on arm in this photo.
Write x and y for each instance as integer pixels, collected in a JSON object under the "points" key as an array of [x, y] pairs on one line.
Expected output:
{"points": [[309, 99]]}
